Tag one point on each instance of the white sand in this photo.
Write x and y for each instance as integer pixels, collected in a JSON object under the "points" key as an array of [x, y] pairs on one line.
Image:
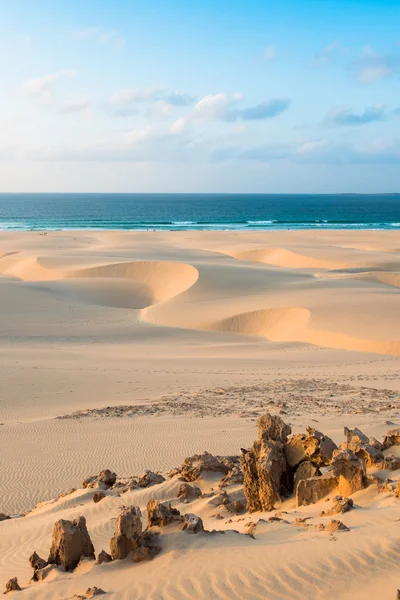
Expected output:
{"points": [[182, 327]]}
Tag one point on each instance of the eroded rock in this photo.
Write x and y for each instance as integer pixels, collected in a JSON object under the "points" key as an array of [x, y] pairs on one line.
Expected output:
{"points": [[192, 523], [193, 466], [104, 557], [264, 464], [90, 593], [149, 478], [70, 542], [12, 586], [309, 491], [350, 471], [392, 438], [128, 534], [341, 505], [188, 492], [313, 446], [4, 517], [97, 496], [160, 515], [305, 470]]}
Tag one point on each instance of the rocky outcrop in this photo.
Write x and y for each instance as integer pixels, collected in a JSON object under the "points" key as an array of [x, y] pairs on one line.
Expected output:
{"points": [[265, 463], [12, 585], [192, 523], [305, 470], [368, 449], [149, 478], [312, 446], [128, 534], [70, 542], [160, 515], [309, 491], [187, 492], [350, 471], [391, 462], [193, 466], [392, 438], [38, 564], [107, 477]]}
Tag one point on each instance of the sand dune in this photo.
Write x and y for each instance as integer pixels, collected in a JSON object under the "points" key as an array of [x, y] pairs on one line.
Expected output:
{"points": [[282, 257], [386, 277]]}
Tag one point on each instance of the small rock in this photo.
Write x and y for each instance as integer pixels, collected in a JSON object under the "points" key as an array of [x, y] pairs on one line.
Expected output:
{"points": [[90, 593], [341, 505], [107, 477], [149, 478], [104, 557], [12, 585], [311, 490], [335, 525], [159, 514], [392, 438], [97, 496], [4, 517], [192, 523], [70, 542], [128, 534], [188, 492]]}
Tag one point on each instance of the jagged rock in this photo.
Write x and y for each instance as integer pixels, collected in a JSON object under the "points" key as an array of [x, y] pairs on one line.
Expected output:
{"points": [[97, 496], [222, 498], [104, 557], [264, 464], [36, 562], [128, 534], [392, 438], [273, 428], [90, 593], [70, 542], [355, 436], [350, 471], [142, 553], [88, 480], [41, 574], [391, 462], [192, 523], [149, 478], [236, 507], [107, 477], [341, 505], [188, 492], [305, 470], [334, 526], [313, 446], [193, 466], [159, 514], [4, 517], [12, 586], [151, 541], [311, 490], [234, 477]]}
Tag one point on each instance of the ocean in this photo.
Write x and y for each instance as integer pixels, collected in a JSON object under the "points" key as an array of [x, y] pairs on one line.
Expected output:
{"points": [[198, 211]]}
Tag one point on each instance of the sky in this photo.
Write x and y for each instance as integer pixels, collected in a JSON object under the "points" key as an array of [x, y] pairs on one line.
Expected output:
{"points": [[289, 96]]}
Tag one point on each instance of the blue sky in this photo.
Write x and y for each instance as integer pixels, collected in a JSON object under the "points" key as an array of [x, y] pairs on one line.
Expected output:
{"points": [[178, 96]]}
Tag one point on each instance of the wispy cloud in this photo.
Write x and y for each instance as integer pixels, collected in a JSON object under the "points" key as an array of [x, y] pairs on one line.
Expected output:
{"points": [[41, 87], [99, 35], [161, 104], [372, 67], [134, 95], [82, 106], [345, 116], [326, 55], [222, 107]]}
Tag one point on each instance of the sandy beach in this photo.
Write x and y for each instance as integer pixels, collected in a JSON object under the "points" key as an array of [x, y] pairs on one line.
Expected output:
{"points": [[133, 350]]}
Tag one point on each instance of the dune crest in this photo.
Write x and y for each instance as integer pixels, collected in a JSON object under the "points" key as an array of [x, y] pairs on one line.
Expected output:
{"points": [[282, 257]]}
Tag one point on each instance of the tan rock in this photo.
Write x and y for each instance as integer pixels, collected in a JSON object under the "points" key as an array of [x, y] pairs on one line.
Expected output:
{"points": [[36, 562], [97, 496], [104, 557], [4, 517], [70, 542], [309, 491], [188, 492], [12, 586], [392, 438], [341, 505], [149, 478], [160, 515], [128, 534], [192, 523], [334, 526], [193, 466], [313, 446], [349, 470], [90, 593], [391, 462], [264, 464], [305, 470], [107, 477]]}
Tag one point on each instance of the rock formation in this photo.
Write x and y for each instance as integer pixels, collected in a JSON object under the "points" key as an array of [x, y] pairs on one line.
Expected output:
{"points": [[264, 464], [12, 586], [149, 478], [128, 534], [193, 466], [349, 470], [312, 446], [160, 515], [309, 491], [70, 542], [392, 438], [104, 557], [188, 492], [192, 523]]}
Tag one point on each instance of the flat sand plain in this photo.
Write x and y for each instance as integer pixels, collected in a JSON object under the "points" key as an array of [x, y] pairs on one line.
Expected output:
{"points": [[153, 346]]}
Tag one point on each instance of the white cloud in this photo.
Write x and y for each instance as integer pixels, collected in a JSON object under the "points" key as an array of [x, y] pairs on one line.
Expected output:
{"points": [[372, 67], [133, 95], [41, 87], [269, 53], [326, 55], [82, 106], [214, 106], [97, 34], [178, 126]]}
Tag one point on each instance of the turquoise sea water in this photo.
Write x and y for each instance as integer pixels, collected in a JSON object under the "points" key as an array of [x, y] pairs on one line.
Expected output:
{"points": [[198, 211]]}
